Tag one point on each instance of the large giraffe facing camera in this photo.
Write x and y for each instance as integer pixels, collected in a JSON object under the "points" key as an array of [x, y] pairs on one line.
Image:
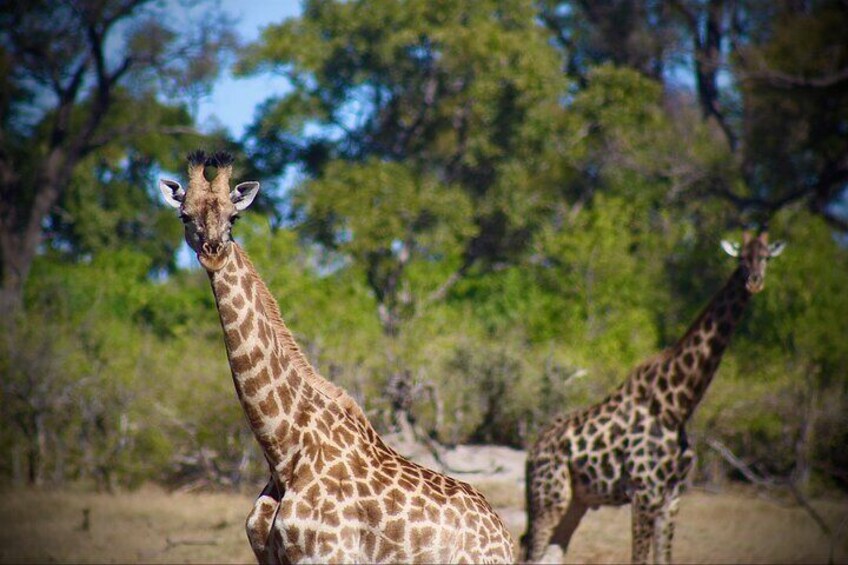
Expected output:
{"points": [[631, 448], [337, 493]]}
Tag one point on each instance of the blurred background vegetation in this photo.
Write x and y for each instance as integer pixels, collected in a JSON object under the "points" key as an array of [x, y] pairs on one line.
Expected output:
{"points": [[493, 209]]}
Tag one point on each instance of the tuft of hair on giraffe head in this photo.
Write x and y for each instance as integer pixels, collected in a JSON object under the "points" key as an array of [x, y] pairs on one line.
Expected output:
{"points": [[754, 254], [207, 207]]}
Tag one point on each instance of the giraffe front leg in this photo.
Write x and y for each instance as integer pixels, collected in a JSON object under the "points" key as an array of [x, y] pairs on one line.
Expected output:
{"points": [[260, 522], [664, 529], [664, 523], [540, 532], [643, 516]]}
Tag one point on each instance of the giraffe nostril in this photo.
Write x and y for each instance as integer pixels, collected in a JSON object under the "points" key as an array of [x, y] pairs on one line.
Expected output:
{"points": [[211, 247]]}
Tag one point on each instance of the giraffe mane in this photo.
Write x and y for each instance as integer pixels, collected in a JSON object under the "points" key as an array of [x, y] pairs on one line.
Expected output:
{"points": [[319, 383], [196, 158], [220, 159], [693, 327]]}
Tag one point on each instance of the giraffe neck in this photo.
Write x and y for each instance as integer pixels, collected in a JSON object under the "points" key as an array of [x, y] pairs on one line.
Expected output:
{"points": [[693, 361], [280, 392]]}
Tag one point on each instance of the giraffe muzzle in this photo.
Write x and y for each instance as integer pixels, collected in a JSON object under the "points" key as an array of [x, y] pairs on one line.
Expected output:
{"points": [[212, 255], [211, 248], [754, 283]]}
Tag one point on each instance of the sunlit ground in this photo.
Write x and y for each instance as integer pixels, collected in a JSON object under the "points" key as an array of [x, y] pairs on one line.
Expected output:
{"points": [[151, 525]]}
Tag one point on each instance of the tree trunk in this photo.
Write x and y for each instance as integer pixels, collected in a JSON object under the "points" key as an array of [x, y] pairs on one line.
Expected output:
{"points": [[804, 444], [34, 461], [14, 271], [18, 466], [59, 451], [20, 232]]}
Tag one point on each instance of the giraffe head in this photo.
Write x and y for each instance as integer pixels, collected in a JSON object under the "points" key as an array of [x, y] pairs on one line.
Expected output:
{"points": [[208, 208], [753, 255]]}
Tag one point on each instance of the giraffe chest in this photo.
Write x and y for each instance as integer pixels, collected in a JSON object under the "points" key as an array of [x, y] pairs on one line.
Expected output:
{"points": [[658, 458]]}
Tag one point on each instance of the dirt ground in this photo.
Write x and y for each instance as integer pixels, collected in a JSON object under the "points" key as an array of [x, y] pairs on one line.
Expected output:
{"points": [[150, 525]]}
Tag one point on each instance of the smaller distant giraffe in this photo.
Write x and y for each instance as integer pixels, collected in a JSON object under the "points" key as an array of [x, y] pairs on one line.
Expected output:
{"points": [[337, 493], [632, 447]]}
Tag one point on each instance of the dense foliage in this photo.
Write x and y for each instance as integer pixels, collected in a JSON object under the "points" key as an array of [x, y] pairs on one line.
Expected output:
{"points": [[500, 207]]}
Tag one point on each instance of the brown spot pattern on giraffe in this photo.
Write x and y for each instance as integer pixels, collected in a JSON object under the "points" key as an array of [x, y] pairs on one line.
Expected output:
{"points": [[354, 495], [631, 448]]}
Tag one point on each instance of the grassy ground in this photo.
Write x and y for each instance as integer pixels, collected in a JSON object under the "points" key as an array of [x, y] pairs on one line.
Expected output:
{"points": [[152, 526]]}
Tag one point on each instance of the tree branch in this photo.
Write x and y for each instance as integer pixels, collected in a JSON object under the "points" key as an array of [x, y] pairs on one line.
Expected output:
{"points": [[133, 131], [67, 95], [105, 80], [821, 194], [784, 80], [770, 483], [770, 206], [707, 55], [687, 14], [442, 291], [738, 464], [430, 89]]}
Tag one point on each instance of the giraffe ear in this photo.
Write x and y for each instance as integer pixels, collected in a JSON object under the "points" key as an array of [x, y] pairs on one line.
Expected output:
{"points": [[776, 248], [730, 248], [172, 191], [244, 193]]}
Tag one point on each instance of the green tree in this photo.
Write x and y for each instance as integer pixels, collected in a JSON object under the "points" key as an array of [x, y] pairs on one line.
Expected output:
{"points": [[434, 106], [83, 76], [770, 79]]}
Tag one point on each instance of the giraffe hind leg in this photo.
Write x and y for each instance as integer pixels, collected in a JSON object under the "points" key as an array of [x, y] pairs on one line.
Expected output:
{"points": [[550, 518], [568, 523]]}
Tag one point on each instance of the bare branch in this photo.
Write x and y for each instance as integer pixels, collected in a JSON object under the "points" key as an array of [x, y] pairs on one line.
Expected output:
{"points": [[442, 291], [707, 54], [770, 483], [783, 80], [744, 202], [430, 88], [135, 131], [106, 81], [738, 464], [805, 503], [821, 193], [687, 14], [67, 96]]}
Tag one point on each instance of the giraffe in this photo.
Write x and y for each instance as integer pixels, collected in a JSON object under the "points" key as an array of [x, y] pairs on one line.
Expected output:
{"points": [[632, 447], [337, 492]]}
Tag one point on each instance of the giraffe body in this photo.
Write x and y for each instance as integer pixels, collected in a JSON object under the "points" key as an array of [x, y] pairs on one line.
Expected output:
{"points": [[631, 448], [337, 492]]}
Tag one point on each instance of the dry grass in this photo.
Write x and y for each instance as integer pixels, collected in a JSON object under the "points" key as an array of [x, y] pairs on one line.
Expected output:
{"points": [[45, 526], [42, 526], [718, 528]]}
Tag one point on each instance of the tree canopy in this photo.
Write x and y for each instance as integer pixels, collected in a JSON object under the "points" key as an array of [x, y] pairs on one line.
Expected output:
{"points": [[86, 81], [496, 209]]}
